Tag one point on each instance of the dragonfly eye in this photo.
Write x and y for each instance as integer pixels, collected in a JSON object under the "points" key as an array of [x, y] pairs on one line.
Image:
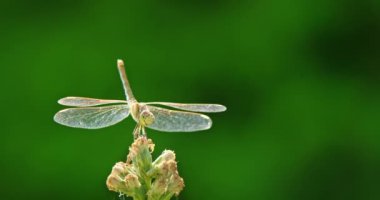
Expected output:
{"points": [[146, 118]]}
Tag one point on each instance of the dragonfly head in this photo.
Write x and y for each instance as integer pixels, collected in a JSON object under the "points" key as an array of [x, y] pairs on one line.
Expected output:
{"points": [[146, 118]]}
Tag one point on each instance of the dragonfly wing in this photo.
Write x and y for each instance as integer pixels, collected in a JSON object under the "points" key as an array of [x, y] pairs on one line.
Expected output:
{"points": [[85, 101], [92, 117], [178, 121], [195, 107]]}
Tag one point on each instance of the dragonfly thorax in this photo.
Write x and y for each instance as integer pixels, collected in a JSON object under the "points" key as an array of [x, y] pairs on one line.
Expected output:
{"points": [[141, 114]]}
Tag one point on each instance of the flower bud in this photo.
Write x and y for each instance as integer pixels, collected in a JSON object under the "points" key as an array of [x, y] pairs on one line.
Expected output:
{"points": [[114, 183], [176, 184], [132, 182], [159, 187], [165, 156], [140, 153], [119, 168]]}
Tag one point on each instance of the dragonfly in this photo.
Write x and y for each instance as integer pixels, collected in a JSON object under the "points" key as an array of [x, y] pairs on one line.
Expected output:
{"points": [[92, 113]]}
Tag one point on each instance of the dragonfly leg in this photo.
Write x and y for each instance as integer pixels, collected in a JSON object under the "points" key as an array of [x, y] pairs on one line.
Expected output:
{"points": [[136, 131], [143, 132]]}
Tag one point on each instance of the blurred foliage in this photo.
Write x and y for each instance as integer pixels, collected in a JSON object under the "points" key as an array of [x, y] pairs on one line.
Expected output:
{"points": [[300, 80]]}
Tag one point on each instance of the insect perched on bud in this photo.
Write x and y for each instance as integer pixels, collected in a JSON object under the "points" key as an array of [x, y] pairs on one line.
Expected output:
{"points": [[139, 176]]}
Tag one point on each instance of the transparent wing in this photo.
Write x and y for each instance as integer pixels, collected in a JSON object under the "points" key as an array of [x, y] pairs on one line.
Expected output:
{"points": [[84, 101], [178, 121], [92, 117], [196, 107]]}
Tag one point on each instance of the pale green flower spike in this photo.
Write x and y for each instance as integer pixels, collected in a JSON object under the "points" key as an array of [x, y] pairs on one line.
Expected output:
{"points": [[141, 178]]}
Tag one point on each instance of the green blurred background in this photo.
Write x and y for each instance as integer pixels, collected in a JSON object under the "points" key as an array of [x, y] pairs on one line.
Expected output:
{"points": [[300, 80]]}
